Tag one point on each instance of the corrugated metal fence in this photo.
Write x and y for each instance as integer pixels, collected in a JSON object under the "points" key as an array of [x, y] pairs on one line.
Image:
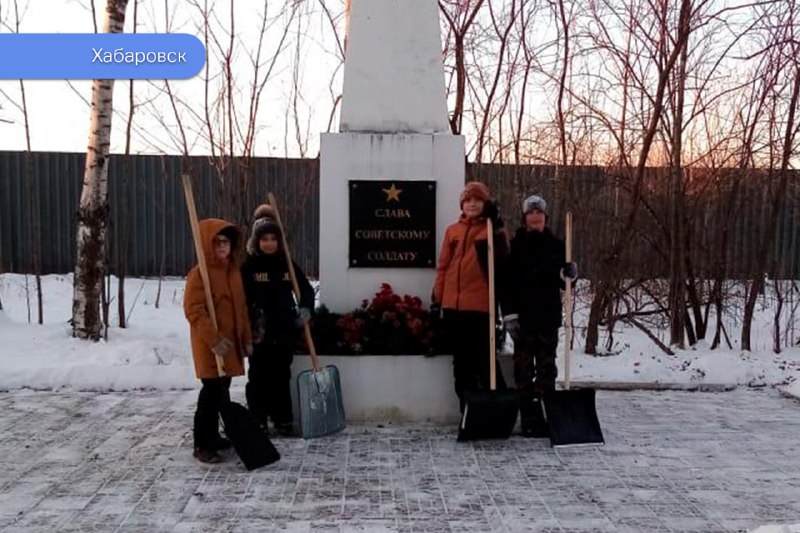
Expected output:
{"points": [[149, 221]]}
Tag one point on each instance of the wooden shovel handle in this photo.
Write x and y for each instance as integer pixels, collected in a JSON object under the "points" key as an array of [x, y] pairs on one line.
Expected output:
{"points": [[201, 260], [293, 277], [568, 303], [490, 262]]}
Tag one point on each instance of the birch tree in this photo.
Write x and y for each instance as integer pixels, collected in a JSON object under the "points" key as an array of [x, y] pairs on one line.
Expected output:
{"points": [[93, 210]]}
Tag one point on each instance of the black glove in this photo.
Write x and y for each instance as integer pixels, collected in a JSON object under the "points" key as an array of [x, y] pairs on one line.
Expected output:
{"points": [[570, 271], [436, 310], [512, 327], [491, 212]]}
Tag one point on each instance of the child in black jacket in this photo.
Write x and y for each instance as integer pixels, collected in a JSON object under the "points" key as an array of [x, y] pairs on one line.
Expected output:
{"points": [[276, 320], [535, 274]]}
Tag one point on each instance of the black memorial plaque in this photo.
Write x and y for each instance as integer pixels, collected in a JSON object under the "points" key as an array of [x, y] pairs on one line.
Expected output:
{"points": [[392, 224]]}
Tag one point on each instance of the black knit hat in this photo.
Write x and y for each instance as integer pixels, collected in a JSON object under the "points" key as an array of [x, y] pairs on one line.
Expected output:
{"points": [[232, 234], [263, 224]]}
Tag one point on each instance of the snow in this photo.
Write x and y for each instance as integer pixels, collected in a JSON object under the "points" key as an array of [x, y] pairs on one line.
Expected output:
{"points": [[103, 461], [774, 528], [153, 352], [86, 461], [644, 363], [793, 389]]}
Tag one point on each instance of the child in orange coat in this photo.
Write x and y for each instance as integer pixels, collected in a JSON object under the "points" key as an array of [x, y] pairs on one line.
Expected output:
{"points": [[230, 340], [461, 289]]}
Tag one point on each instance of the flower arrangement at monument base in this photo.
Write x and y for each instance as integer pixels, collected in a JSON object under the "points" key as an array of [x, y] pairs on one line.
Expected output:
{"points": [[388, 324]]}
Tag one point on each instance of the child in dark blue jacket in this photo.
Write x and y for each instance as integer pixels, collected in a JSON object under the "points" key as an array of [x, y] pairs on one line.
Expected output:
{"points": [[276, 321]]}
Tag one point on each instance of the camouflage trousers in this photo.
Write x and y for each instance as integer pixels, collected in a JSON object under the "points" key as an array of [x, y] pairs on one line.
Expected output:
{"points": [[535, 369]]}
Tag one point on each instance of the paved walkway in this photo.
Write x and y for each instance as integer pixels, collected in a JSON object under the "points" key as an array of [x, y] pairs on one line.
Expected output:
{"points": [[674, 461]]}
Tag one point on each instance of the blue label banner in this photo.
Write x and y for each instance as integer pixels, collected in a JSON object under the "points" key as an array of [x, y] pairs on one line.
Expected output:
{"points": [[89, 56]]}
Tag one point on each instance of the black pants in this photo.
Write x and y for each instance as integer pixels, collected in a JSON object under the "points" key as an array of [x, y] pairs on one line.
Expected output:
{"points": [[468, 336], [213, 394], [535, 369], [269, 379]]}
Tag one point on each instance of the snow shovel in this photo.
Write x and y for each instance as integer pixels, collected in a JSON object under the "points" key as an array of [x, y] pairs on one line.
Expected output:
{"points": [[319, 390], [571, 414], [250, 442], [489, 414]]}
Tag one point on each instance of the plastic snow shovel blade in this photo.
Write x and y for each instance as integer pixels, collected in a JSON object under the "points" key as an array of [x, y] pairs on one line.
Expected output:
{"points": [[321, 405], [489, 414], [249, 440], [572, 417]]}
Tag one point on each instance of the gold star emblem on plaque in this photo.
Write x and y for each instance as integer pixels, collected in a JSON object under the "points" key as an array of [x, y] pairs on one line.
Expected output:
{"points": [[392, 193]]}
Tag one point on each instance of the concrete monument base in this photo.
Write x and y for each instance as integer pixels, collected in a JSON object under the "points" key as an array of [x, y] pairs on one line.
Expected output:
{"points": [[395, 388]]}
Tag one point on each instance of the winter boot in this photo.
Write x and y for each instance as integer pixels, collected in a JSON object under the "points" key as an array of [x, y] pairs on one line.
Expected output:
{"points": [[206, 456], [533, 423]]}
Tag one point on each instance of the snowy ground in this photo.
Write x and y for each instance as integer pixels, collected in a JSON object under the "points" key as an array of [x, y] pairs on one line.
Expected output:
{"points": [[87, 451], [154, 351], [673, 461]]}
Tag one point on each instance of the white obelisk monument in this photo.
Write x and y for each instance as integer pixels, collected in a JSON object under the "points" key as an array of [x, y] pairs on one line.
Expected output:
{"points": [[393, 130]]}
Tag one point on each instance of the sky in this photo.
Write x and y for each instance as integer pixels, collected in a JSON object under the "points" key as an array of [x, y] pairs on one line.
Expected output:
{"points": [[59, 110], [288, 122]]}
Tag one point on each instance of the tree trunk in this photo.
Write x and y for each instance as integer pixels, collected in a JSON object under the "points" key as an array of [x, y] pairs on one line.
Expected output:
{"points": [[459, 31], [700, 322], [718, 306], [776, 347], [610, 263], [677, 289], [690, 334], [163, 240], [122, 249], [778, 199], [93, 211], [122, 239], [105, 302], [721, 261], [35, 237], [595, 314]]}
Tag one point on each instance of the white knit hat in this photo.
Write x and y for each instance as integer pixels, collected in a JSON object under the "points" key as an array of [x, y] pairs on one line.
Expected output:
{"points": [[534, 202]]}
